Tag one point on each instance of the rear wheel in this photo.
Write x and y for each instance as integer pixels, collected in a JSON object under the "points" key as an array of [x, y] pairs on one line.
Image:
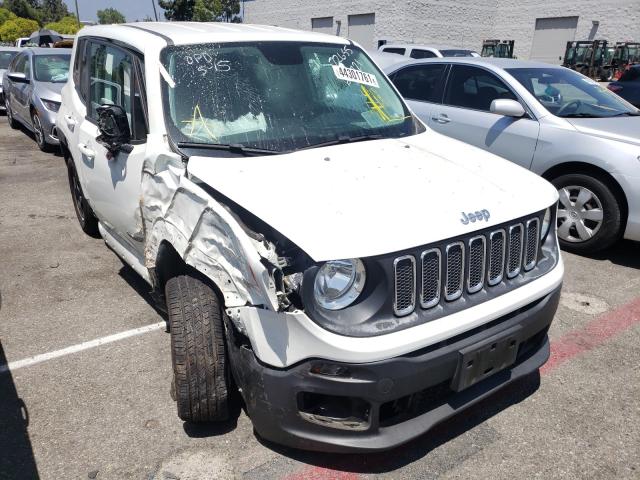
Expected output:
{"points": [[13, 123], [200, 368], [86, 218], [589, 214]]}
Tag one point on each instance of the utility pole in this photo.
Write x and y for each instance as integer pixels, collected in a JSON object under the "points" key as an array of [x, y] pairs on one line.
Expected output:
{"points": [[155, 12], [78, 14]]}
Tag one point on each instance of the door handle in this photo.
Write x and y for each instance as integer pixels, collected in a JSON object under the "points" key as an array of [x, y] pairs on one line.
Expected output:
{"points": [[70, 121], [442, 118], [86, 151]]}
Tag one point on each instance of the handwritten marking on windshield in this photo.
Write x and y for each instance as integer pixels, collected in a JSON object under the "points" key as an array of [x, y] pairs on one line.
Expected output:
{"points": [[339, 57], [198, 120]]}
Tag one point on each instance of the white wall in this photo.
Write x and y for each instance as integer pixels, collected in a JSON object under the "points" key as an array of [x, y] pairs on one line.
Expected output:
{"points": [[464, 23]]}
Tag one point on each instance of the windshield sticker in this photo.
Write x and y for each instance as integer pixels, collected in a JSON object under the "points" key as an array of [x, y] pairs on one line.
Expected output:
{"points": [[353, 75]]}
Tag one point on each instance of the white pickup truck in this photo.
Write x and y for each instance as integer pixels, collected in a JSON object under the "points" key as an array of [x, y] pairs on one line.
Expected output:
{"points": [[356, 276]]}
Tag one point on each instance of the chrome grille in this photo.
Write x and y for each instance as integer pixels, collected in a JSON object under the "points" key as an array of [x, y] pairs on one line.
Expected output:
{"points": [[405, 289], [454, 275], [430, 289], [514, 261], [532, 239], [476, 264], [465, 267], [497, 248]]}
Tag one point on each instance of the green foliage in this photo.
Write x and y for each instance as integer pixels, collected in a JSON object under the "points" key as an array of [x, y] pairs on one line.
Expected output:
{"points": [[230, 8], [109, 16], [16, 28], [207, 10], [23, 9], [66, 26], [53, 11], [178, 9], [6, 15]]}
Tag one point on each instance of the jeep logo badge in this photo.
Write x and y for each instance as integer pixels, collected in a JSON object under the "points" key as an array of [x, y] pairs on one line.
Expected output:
{"points": [[475, 216]]}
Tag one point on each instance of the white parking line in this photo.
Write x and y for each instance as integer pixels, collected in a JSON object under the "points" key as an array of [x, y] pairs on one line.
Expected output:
{"points": [[43, 357]]}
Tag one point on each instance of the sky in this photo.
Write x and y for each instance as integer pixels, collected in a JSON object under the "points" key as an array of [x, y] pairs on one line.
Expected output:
{"points": [[131, 9]]}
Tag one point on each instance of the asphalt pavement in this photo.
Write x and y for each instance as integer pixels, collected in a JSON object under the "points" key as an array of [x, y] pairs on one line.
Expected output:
{"points": [[87, 394]]}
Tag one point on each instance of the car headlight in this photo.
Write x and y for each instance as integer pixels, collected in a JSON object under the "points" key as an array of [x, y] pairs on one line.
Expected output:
{"points": [[51, 105], [546, 223], [338, 283]]}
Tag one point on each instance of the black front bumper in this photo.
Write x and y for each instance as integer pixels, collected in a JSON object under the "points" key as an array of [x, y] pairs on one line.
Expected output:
{"points": [[377, 406]]}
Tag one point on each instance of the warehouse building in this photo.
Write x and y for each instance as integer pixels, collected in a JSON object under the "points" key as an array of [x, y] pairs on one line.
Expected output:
{"points": [[540, 29]]}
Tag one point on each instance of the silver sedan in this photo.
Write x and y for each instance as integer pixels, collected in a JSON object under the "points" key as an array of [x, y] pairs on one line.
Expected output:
{"points": [[562, 125]]}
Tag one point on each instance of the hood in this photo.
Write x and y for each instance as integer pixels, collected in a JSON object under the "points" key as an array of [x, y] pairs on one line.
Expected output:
{"points": [[49, 91], [376, 197], [622, 129]]}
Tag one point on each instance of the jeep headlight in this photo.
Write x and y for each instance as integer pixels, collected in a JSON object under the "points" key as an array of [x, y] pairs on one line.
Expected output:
{"points": [[546, 223], [338, 283]]}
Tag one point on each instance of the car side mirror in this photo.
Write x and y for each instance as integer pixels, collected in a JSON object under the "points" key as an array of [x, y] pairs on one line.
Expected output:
{"points": [[18, 77], [506, 107], [113, 125]]}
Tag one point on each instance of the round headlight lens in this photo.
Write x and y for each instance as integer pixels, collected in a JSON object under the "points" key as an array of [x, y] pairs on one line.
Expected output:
{"points": [[338, 283], [546, 223]]}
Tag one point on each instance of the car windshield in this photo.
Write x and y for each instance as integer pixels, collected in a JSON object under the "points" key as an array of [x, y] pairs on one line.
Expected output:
{"points": [[456, 53], [5, 59], [278, 96], [52, 68], [566, 93]]}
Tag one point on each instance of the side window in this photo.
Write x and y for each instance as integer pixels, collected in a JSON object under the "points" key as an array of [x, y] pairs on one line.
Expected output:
{"points": [[417, 53], [110, 79], [421, 82], [475, 88], [18, 64], [27, 66], [399, 51], [78, 60]]}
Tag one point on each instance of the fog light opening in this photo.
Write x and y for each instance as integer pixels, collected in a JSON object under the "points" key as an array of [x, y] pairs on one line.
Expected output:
{"points": [[344, 413]]}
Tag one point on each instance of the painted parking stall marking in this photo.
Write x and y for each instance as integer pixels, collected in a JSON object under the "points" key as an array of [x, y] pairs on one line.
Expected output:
{"points": [[43, 357]]}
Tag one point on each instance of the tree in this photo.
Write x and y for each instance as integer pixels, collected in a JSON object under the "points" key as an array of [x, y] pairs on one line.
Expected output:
{"points": [[6, 15], [230, 8], [66, 26], [207, 10], [109, 16], [53, 11], [177, 9], [22, 8], [16, 28]]}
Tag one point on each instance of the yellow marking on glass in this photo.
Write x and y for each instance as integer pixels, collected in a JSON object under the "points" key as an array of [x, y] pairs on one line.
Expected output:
{"points": [[198, 117], [375, 103]]}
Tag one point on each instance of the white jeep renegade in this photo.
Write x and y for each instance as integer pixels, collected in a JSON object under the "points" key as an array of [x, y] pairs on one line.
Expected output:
{"points": [[356, 276]]}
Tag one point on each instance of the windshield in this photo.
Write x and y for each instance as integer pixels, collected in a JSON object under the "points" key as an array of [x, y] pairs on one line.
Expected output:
{"points": [[5, 59], [52, 68], [457, 53], [566, 93], [278, 96]]}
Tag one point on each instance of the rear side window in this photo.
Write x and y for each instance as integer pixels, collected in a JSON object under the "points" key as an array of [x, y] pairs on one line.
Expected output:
{"points": [[19, 63], [421, 82], [416, 53], [399, 51], [475, 88], [630, 75]]}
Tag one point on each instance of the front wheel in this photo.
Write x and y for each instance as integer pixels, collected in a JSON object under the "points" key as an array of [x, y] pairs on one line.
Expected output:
{"points": [[589, 214], [86, 218], [200, 368], [38, 131]]}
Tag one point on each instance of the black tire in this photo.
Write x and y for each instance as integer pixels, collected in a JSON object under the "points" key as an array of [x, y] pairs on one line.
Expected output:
{"points": [[86, 218], [200, 368], [610, 229], [13, 123], [38, 132]]}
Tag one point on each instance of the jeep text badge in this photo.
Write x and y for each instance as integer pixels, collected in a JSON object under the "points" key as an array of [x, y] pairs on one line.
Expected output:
{"points": [[473, 216]]}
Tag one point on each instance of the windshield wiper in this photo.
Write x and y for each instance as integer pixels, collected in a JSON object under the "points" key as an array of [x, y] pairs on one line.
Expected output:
{"points": [[234, 148], [344, 139], [626, 114], [580, 115]]}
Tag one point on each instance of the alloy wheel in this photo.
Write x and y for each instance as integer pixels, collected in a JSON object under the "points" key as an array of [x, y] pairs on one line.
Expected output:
{"points": [[78, 197], [37, 127], [580, 214]]}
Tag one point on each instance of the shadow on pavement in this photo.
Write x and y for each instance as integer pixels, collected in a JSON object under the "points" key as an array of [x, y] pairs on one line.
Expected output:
{"points": [[406, 454], [143, 289], [624, 253], [16, 454]]}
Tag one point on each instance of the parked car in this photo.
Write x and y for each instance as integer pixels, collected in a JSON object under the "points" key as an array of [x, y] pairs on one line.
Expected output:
{"points": [[314, 243], [22, 42], [6, 55], [628, 85], [549, 119], [426, 51], [32, 85]]}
